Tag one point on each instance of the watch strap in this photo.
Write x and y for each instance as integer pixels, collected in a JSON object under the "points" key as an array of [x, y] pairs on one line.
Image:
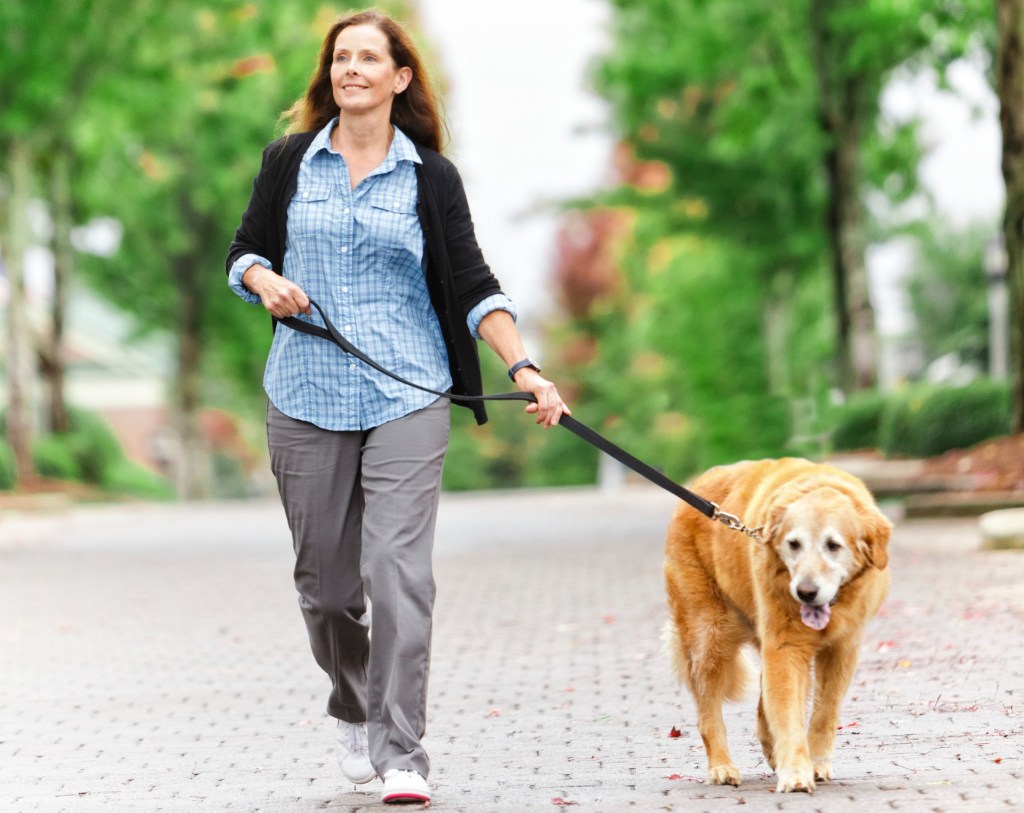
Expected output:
{"points": [[515, 368]]}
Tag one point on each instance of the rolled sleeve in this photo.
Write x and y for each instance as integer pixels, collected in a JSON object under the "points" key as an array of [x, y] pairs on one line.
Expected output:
{"points": [[495, 302], [239, 267]]}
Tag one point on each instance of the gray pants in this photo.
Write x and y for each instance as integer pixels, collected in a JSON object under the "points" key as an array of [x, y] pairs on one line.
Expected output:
{"points": [[362, 507]]}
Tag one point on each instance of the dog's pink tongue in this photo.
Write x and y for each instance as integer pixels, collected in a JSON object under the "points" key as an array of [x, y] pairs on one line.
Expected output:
{"points": [[814, 616]]}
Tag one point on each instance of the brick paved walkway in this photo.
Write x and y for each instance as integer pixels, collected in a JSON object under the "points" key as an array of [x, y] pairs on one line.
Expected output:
{"points": [[154, 659]]}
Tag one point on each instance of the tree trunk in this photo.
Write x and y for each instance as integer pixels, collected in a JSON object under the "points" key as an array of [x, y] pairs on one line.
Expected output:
{"points": [[1010, 88], [19, 340], [841, 122], [192, 475], [52, 354]]}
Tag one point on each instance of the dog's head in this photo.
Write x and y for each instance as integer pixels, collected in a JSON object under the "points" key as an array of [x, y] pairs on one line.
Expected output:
{"points": [[825, 537]]}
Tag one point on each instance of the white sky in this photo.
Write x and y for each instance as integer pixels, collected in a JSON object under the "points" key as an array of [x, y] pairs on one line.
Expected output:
{"points": [[526, 130]]}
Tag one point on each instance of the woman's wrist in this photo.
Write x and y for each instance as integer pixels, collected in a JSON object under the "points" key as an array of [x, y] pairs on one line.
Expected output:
{"points": [[252, 275]]}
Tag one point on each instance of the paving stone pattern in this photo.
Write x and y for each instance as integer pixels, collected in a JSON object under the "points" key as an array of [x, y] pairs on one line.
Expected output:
{"points": [[153, 658]]}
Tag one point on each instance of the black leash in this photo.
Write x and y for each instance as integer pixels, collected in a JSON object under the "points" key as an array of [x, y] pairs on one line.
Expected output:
{"points": [[578, 428]]}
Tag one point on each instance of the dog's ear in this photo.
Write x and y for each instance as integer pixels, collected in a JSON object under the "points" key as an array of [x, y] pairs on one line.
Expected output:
{"points": [[876, 539], [773, 524]]}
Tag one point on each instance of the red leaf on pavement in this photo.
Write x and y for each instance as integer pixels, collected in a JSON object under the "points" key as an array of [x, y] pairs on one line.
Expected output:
{"points": [[675, 776], [997, 760], [558, 801], [854, 724], [675, 732], [495, 712], [609, 619]]}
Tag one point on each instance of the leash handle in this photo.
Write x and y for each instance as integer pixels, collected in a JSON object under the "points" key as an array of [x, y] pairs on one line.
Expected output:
{"points": [[578, 428]]}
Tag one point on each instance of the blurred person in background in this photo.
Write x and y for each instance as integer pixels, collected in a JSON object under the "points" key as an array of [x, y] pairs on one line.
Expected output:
{"points": [[356, 207]]}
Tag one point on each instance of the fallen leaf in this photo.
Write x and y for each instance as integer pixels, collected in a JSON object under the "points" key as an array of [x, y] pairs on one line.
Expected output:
{"points": [[558, 801], [675, 732], [609, 619], [674, 776], [885, 646], [997, 760], [494, 713]]}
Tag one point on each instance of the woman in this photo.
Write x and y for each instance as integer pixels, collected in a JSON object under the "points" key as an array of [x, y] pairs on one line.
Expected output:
{"points": [[357, 208]]}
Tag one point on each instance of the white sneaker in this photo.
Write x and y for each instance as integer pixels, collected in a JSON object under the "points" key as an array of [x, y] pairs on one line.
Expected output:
{"points": [[403, 787], [354, 753]]}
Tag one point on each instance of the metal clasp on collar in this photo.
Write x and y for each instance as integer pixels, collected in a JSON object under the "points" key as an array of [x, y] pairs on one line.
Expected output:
{"points": [[733, 522]]}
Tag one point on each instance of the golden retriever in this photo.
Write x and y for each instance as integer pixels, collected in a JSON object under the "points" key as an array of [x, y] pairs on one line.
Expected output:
{"points": [[802, 595]]}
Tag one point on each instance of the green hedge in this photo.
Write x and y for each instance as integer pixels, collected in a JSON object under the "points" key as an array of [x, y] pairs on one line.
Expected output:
{"points": [[859, 421], [132, 480], [54, 458], [94, 445], [8, 475], [956, 418], [88, 452], [924, 420]]}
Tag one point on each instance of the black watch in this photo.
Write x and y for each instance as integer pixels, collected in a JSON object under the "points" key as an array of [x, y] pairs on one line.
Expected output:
{"points": [[515, 368]]}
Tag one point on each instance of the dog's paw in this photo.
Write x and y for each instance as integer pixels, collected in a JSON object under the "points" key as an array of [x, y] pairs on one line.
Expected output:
{"points": [[796, 779], [727, 774], [822, 770]]}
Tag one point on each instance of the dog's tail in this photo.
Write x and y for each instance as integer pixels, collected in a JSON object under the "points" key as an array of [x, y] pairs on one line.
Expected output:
{"points": [[739, 681]]}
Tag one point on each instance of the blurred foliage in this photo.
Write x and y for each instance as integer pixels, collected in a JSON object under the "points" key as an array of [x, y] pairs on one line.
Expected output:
{"points": [[705, 329], [713, 338], [89, 452], [192, 105], [948, 295], [922, 420], [857, 422], [55, 459], [8, 476], [128, 479]]}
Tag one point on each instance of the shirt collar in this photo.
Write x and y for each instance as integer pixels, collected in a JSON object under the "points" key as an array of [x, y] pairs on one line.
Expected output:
{"points": [[402, 148]]}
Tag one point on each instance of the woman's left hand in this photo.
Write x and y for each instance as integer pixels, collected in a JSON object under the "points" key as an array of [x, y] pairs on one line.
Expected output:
{"points": [[550, 406]]}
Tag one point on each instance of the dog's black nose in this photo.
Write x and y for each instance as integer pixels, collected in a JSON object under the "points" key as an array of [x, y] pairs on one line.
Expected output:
{"points": [[806, 592]]}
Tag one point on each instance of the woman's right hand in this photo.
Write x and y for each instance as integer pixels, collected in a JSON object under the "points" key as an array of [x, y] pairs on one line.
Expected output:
{"points": [[281, 297]]}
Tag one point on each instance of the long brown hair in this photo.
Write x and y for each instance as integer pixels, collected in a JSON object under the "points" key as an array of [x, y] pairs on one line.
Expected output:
{"points": [[414, 111]]}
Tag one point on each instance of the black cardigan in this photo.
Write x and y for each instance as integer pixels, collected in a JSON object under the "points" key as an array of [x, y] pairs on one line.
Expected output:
{"points": [[458, 278]]}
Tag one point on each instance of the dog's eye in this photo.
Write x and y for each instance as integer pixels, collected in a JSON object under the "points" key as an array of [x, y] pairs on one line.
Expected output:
{"points": [[832, 545], [794, 544]]}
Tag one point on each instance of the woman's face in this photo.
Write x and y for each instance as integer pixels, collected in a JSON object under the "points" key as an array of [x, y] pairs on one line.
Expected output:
{"points": [[363, 74]]}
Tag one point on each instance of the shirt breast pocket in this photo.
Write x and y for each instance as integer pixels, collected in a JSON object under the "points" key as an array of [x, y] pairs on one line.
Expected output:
{"points": [[310, 211], [393, 221]]}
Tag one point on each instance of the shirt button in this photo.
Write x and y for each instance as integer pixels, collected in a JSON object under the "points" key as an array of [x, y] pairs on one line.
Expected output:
{"points": [[305, 194], [344, 289], [344, 249], [347, 210], [396, 204], [348, 328]]}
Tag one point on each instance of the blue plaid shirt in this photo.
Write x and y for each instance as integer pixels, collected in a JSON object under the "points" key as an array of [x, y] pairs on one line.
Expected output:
{"points": [[359, 254]]}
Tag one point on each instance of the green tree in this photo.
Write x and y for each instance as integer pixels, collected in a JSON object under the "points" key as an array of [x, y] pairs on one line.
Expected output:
{"points": [[768, 114], [195, 104], [51, 56]]}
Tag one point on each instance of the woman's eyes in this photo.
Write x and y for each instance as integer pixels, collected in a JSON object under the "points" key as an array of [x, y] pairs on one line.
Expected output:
{"points": [[344, 58]]}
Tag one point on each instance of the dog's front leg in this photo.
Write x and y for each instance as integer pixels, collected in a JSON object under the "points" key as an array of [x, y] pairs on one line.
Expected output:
{"points": [[833, 671], [784, 684]]}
